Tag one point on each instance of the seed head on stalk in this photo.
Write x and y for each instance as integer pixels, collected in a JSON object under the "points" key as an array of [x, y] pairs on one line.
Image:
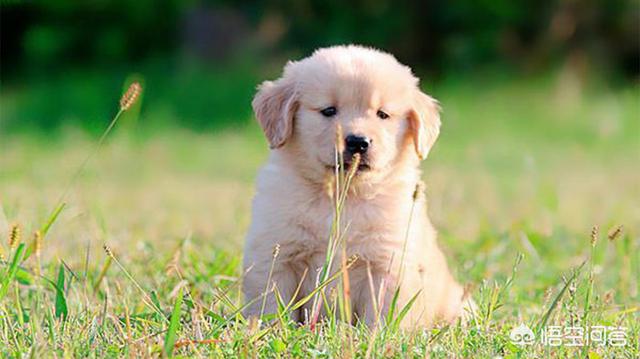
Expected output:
{"points": [[130, 97]]}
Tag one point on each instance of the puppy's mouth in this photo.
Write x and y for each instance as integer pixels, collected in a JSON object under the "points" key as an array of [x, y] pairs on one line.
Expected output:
{"points": [[363, 166]]}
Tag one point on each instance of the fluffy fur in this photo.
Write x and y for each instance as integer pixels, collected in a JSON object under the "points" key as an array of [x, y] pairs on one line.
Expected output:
{"points": [[292, 207]]}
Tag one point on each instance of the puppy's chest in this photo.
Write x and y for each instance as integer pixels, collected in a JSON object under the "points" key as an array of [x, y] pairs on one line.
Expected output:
{"points": [[363, 225]]}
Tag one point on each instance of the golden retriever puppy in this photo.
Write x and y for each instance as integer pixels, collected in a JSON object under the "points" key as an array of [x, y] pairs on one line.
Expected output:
{"points": [[392, 125]]}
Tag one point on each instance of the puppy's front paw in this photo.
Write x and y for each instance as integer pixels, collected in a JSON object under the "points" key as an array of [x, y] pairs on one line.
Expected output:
{"points": [[461, 306], [469, 310]]}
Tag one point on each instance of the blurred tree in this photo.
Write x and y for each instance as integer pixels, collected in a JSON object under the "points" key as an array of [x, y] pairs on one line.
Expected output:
{"points": [[444, 35], [182, 44]]}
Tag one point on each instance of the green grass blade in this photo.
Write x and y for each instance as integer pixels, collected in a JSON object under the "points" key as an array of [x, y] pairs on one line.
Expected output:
{"points": [[45, 228], [24, 277], [13, 268], [174, 324], [61, 300], [321, 286], [103, 273], [156, 302], [52, 218], [396, 323], [556, 300], [392, 307]]}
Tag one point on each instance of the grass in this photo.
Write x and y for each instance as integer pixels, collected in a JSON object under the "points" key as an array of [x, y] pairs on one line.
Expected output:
{"points": [[528, 182]]}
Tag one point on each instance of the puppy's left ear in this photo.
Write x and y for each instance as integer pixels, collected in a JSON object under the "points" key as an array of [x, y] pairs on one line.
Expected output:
{"points": [[424, 121], [275, 106]]}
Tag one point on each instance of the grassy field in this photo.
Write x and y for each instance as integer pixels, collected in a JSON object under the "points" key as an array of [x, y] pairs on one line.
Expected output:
{"points": [[528, 181]]}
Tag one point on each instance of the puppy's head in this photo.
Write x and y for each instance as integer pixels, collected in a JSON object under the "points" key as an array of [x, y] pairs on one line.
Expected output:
{"points": [[376, 100]]}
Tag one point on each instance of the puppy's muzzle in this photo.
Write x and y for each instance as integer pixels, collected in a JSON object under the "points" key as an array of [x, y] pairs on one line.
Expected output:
{"points": [[356, 144]]}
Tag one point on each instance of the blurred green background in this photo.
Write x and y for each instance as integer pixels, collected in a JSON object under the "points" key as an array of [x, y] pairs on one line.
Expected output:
{"points": [[541, 99], [63, 62]]}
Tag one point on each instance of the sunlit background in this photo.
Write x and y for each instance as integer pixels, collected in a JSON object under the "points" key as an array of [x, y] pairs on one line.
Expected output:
{"points": [[540, 125]]}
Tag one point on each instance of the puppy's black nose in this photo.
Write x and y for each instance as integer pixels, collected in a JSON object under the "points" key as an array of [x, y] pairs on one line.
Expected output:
{"points": [[357, 144]]}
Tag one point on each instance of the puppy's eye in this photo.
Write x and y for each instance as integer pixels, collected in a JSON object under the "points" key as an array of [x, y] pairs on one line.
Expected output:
{"points": [[383, 115], [329, 111]]}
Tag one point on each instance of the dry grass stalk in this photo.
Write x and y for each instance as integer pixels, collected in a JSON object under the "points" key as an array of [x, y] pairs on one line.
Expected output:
{"points": [[37, 248], [355, 162], [37, 243], [339, 139], [269, 287], [145, 296], [130, 97], [173, 264], [15, 235], [418, 192], [614, 234], [108, 251]]}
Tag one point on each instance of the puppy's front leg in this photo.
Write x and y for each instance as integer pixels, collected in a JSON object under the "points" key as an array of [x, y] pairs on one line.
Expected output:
{"points": [[260, 293], [376, 299]]}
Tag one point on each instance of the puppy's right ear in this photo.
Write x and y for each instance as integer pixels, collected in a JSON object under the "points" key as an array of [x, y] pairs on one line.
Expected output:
{"points": [[275, 106], [425, 123]]}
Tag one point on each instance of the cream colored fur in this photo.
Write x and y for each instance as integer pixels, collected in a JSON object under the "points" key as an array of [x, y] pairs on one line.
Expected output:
{"points": [[292, 208]]}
